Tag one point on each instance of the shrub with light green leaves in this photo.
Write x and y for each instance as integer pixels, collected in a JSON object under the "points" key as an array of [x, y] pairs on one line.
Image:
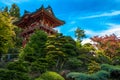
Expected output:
{"points": [[50, 76]]}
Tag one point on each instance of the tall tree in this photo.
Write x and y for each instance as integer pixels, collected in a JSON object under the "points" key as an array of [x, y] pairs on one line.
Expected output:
{"points": [[60, 48], [6, 32], [79, 34], [34, 52], [14, 11], [5, 9]]}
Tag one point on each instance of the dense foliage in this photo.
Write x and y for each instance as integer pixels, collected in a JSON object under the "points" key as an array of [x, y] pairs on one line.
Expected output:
{"points": [[6, 74], [6, 32]]}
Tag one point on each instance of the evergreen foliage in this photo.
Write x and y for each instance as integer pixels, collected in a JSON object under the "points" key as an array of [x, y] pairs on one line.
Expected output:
{"points": [[34, 52], [6, 9], [20, 66], [13, 75], [79, 34], [14, 11], [100, 75], [93, 67], [113, 70]]}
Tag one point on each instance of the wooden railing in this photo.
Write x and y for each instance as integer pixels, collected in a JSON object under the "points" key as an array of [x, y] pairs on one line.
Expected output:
{"points": [[32, 28]]}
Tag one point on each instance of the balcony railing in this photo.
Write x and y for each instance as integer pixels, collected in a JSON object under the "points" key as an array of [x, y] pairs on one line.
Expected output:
{"points": [[32, 28]]}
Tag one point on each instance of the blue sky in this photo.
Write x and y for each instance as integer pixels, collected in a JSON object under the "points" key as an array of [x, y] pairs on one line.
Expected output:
{"points": [[95, 17]]}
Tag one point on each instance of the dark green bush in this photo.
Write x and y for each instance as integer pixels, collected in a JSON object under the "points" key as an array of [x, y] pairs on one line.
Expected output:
{"points": [[116, 60], [20, 66], [106, 67], [12, 75], [113, 70]]}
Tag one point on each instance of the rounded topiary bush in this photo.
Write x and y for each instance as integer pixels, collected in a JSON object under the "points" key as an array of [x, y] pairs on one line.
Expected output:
{"points": [[50, 76]]}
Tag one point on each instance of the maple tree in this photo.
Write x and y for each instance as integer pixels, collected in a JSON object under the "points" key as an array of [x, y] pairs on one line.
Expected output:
{"points": [[109, 44]]}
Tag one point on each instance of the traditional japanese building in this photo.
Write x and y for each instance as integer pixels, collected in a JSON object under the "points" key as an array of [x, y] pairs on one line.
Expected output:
{"points": [[43, 19]]}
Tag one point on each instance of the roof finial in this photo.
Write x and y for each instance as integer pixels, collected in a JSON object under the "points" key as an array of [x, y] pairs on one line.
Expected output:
{"points": [[42, 7], [26, 12], [49, 6]]}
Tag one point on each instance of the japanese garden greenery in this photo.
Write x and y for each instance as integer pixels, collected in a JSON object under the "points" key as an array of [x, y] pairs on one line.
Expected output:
{"points": [[56, 57]]}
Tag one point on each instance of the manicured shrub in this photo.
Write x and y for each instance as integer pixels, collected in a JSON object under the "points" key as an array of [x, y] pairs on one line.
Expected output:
{"points": [[73, 75], [100, 75], [50, 76], [113, 70], [106, 67]]}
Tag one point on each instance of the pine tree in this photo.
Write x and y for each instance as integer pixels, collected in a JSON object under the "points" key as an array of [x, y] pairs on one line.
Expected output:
{"points": [[5, 9], [14, 11], [6, 33], [79, 34]]}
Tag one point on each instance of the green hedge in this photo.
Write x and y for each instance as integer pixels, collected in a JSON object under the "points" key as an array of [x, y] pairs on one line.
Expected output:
{"points": [[107, 72]]}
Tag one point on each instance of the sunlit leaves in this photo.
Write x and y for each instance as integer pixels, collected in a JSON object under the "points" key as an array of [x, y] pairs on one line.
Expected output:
{"points": [[6, 32]]}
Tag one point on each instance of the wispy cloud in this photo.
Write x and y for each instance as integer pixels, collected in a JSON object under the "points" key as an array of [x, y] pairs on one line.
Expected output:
{"points": [[58, 29], [72, 29], [87, 40], [9, 2], [72, 22], [113, 28], [90, 32], [106, 14]]}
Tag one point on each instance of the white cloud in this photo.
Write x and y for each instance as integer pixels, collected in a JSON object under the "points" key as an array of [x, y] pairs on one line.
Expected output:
{"points": [[72, 29], [58, 29], [87, 40], [106, 14], [9, 2], [113, 28], [90, 32]]}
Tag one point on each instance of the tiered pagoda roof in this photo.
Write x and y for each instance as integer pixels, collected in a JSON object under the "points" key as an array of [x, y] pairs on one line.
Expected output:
{"points": [[29, 17]]}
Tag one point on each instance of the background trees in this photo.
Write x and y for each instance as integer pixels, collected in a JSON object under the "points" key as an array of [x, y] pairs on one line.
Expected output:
{"points": [[79, 34]]}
